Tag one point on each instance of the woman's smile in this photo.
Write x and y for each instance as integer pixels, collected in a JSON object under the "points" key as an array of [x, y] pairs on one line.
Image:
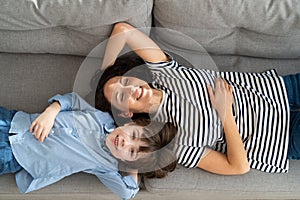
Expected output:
{"points": [[139, 93], [132, 95]]}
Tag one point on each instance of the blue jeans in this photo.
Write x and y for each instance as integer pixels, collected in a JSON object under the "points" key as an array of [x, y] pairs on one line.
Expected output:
{"points": [[292, 83], [8, 163]]}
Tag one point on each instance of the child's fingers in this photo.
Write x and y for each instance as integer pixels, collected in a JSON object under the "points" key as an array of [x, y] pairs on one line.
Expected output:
{"points": [[44, 134], [31, 128], [38, 131]]}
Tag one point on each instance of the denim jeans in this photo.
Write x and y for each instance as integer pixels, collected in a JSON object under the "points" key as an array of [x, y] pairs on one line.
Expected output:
{"points": [[292, 83], [8, 163]]}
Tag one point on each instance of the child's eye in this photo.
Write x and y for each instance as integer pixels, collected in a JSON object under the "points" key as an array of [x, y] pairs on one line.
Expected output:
{"points": [[132, 152], [133, 136]]}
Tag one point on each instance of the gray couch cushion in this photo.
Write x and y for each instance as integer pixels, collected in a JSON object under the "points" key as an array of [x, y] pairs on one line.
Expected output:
{"points": [[88, 184], [65, 27], [255, 28], [254, 185], [28, 80], [253, 64]]}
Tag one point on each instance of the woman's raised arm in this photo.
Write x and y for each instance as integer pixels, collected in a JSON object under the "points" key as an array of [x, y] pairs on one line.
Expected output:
{"points": [[125, 34]]}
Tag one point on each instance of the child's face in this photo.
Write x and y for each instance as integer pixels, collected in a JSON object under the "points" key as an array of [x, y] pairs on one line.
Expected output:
{"points": [[128, 94], [124, 142]]}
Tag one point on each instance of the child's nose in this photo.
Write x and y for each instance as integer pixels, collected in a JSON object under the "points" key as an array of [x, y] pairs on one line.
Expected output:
{"points": [[123, 142], [126, 143]]}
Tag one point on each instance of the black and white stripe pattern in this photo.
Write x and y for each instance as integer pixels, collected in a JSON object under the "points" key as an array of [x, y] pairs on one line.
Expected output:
{"points": [[260, 109]]}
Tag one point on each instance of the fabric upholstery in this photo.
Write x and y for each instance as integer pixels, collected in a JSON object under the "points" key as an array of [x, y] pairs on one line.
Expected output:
{"points": [[258, 183], [268, 29], [65, 26], [43, 48]]}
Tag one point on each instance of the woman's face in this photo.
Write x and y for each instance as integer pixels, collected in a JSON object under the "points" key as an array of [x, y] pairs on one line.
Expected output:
{"points": [[128, 94], [124, 142]]}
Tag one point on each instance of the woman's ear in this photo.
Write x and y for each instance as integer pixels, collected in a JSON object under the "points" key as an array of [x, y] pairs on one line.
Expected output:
{"points": [[125, 114]]}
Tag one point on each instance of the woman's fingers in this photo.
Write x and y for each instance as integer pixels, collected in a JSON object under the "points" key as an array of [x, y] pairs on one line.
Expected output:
{"points": [[220, 84], [210, 92], [220, 96], [217, 83]]}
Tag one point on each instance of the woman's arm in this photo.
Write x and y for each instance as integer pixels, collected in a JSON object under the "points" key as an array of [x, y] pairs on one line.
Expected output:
{"points": [[125, 34], [235, 160]]}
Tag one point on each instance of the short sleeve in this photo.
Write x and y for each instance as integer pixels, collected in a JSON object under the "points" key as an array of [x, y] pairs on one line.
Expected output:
{"points": [[170, 62], [71, 101], [190, 156], [206, 152]]}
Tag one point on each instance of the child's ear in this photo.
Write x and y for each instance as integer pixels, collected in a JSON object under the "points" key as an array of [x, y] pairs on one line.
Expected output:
{"points": [[125, 114]]}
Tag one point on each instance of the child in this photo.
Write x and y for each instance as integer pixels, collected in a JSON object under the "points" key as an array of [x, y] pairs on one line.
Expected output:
{"points": [[78, 138]]}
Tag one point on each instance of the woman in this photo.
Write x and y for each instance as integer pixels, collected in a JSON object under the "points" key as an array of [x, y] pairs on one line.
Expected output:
{"points": [[256, 130]]}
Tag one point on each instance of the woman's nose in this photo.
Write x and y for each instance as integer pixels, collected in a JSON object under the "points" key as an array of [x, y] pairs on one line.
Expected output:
{"points": [[128, 89]]}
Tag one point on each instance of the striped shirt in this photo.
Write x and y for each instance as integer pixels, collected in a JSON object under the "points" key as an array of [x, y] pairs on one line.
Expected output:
{"points": [[260, 109]]}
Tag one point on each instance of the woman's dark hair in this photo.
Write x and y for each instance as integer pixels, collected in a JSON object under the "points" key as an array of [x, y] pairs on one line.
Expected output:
{"points": [[128, 64], [161, 159]]}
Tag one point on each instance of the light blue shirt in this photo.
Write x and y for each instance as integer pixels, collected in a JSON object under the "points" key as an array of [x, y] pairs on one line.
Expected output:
{"points": [[76, 143]]}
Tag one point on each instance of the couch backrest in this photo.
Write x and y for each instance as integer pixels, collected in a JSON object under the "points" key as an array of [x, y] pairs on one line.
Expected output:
{"points": [[65, 26], [257, 28]]}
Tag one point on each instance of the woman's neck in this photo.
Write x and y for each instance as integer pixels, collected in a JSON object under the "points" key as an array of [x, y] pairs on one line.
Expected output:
{"points": [[155, 101]]}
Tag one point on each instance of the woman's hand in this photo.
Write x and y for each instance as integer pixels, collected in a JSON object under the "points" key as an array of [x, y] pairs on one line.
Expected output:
{"points": [[221, 98], [235, 160], [42, 125]]}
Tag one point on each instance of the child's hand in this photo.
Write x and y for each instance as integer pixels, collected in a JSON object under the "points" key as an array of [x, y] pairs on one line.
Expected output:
{"points": [[42, 125], [221, 98]]}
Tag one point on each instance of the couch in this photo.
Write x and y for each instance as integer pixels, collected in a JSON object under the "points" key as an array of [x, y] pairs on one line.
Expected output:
{"points": [[55, 46]]}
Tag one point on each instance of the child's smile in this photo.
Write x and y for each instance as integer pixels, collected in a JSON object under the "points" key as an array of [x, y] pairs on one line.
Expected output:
{"points": [[125, 142]]}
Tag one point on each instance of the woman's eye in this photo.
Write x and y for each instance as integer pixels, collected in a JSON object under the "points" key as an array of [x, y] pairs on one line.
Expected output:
{"points": [[122, 97], [126, 81], [133, 136]]}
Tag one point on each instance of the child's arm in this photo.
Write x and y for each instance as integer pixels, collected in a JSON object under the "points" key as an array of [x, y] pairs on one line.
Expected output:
{"points": [[124, 186], [140, 43], [71, 101], [42, 125], [235, 160], [134, 174]]}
